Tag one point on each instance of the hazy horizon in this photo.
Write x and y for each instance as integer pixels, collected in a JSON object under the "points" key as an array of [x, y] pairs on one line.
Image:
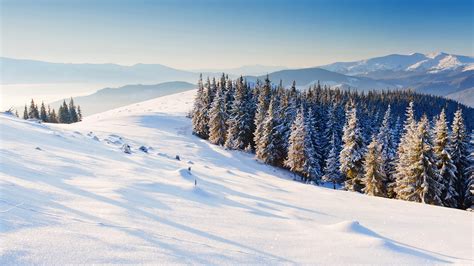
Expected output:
{"points": [[211, 34]]}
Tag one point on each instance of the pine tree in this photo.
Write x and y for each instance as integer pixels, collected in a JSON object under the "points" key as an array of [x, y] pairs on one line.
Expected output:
{"points": [[33, 112], [444, 163], [374, 174], [64, 114], [72, 112], [262, 108], [239, 133], [420, 182], [431, 179], [200, 119], [314, 151], [459, 154], [25, 113], [53, 118], [296, 151], [331, 169], [313, 123], [217, 120], [351, 156], [469, 193], [269, 148], [403, 176], [43, 115], [388, 152], [79, 113]]}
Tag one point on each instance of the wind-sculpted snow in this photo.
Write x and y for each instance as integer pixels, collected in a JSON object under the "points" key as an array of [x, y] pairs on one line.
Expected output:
{"points": [[80, 199]]}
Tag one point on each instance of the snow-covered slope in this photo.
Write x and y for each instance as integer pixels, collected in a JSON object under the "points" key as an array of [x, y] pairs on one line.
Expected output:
{"points": [[431, 63], [69, 195]]}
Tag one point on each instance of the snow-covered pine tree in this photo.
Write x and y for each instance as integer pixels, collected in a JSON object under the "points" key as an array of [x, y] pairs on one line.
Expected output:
{"points": [[432, 188], [217, 120], [239, 133], [314, 147], [459, 153], [72, 112], [331, 168], [297, 150], [288, 110], [388, 151], [43, 115], [404, 182], [351, 156], [200, 119], [269, 148], [33, 112], [374, 178], [25, 113], [444, 163], [469, 193], [262, 108]]}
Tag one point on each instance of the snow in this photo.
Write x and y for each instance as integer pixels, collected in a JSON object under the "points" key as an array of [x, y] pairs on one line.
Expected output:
{"points": [[431, 62], [80, 199]]}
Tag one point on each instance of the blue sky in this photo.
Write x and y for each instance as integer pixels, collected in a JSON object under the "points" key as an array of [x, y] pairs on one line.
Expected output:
{"points": [[220, 34]]}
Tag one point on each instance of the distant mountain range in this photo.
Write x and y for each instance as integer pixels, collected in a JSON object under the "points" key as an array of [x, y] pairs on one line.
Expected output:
{"points": [[18, 71], [435, 73], [441, 74], [111, 98]]}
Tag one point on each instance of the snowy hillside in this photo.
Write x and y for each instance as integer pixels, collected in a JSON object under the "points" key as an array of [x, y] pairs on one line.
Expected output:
{"points": [[68, 194], [431, 63]]}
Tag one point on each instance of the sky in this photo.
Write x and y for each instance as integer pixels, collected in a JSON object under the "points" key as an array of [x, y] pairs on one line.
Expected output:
{"points": [[199, 34]]}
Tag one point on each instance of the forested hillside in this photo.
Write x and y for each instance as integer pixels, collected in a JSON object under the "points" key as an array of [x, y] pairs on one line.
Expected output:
{"points": [[394, 144]]}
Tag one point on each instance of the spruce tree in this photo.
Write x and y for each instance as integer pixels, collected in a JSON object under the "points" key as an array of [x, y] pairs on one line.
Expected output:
{"points": [[64, 116], [403, 176], [72, 112], [25, 113], [374, 174], [43, 115], [33, 112], [53, 118], [269, 148], [459, 154], [79, 113], [331, 169], [262, 108], [312, 123], [351, 156], [469, 193], [217, 120], [388, 151], [296, 160], [444, 163], [432, 187], [239, 124], [199, 115]]}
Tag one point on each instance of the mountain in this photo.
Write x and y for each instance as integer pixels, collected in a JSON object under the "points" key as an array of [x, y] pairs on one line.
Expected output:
{"points": [[309, 76], [15, 71], [465, 96], [110, 98], [247, 70], [416, 62], [436, 73], [69, 195]]}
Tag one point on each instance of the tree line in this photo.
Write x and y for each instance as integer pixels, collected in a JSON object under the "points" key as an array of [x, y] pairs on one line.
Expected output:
{"points": [[66, 114], [393, 144]]}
